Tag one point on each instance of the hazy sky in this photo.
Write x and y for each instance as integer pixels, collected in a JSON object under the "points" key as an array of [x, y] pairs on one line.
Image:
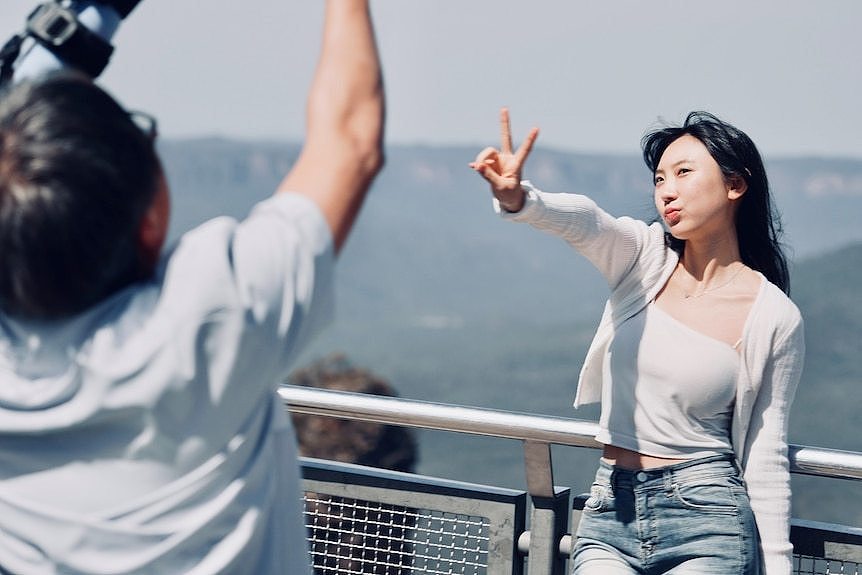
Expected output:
{"points": [[594, 75]]}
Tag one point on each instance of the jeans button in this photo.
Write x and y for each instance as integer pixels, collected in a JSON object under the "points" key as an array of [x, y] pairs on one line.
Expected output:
{"points": [[641, 476]]}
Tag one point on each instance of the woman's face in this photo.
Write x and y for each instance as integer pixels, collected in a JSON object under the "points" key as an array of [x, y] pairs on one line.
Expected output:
{"points": [[691, 194]]}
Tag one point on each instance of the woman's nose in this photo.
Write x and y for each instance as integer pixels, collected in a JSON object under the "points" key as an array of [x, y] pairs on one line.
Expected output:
{"points": [[667, 192]]}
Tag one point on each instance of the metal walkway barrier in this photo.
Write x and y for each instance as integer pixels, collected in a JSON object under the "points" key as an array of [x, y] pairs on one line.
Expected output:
{"points": [[825, 548], [364, 520]]}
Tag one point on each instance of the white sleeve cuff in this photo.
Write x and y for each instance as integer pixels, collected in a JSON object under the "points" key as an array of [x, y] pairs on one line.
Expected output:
{"points": [[531, 201]]}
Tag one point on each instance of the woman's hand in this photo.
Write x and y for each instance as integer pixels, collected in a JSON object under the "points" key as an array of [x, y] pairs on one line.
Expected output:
{"points": [[502, 168]]}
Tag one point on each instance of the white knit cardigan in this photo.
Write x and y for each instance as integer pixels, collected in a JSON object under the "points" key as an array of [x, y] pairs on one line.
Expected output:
{"points": [[634, 259]]}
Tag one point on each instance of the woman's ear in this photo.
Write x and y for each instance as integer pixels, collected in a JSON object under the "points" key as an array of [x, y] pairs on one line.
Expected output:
{"points": [[736, 187]]}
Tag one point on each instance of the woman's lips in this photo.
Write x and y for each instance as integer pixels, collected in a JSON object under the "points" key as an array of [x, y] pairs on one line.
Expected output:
{"points": [[671, 216]]}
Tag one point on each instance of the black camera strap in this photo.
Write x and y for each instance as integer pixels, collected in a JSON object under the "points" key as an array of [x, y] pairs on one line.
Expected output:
{"points": [[57, 29], [8, 55], [123, 7]]}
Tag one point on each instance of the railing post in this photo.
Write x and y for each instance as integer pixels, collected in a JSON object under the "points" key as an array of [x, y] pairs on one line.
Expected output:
{"points": [[549, 516]]}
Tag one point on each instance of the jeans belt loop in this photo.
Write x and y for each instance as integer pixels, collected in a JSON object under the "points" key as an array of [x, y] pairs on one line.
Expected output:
{"points": [[668, 477], [738, 466]]}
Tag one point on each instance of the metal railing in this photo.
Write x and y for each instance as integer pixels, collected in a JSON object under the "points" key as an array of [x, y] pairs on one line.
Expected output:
{"points": [[820, 548], [509, 425]]}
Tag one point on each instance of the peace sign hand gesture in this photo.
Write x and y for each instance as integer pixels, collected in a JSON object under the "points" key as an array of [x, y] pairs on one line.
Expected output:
{"points": [[502, 168]]}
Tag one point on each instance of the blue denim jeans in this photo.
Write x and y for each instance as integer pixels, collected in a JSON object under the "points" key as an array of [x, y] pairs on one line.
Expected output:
{"points": [[689, 518]]}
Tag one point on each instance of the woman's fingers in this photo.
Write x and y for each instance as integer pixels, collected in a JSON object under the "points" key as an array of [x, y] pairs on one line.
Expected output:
{"points": [[486, 164], [506, 140], [484, 156], [505, 132], [497, 181], [526, 146]]}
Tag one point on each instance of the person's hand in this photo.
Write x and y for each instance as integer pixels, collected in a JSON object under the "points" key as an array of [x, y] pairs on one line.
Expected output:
{"points": [[502, 168]]}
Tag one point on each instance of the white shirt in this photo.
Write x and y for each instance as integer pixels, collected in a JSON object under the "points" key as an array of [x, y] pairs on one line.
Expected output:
{"points": [[668, 389], [144, 435]]}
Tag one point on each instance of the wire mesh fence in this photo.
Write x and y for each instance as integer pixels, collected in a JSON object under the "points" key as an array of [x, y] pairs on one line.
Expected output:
{"points": [[808, 565], [349, 536]]}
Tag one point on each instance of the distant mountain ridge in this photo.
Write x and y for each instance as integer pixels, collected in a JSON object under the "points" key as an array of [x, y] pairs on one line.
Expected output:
{"points": [[451, 304], [428, 220]]}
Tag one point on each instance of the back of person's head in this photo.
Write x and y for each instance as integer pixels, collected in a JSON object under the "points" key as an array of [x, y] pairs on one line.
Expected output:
{"points": [[758, 226], [76, 177]]}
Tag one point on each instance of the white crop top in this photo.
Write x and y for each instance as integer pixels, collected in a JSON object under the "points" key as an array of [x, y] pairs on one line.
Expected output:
{"points": [[668, 389]]}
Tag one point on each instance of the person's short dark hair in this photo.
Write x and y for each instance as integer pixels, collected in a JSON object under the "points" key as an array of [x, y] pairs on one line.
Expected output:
{"points": [[76, 177], [758, 226]]}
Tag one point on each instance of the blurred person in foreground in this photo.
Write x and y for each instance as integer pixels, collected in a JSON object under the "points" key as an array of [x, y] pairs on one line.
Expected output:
{"points": [[140, 431]]}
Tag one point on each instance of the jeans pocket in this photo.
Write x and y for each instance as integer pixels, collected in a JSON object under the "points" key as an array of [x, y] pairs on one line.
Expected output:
{"points": [[706, 497], [597, 500]]}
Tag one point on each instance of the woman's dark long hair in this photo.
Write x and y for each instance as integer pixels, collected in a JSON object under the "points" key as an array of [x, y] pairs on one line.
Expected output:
{"points": [[758, 225]]}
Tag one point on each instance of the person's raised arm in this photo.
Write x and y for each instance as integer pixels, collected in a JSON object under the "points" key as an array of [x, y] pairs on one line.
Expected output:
{"points": [[343, 151]]}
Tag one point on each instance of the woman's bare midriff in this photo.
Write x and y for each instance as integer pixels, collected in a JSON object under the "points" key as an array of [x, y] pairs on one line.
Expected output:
{"points": [[628, 459]]}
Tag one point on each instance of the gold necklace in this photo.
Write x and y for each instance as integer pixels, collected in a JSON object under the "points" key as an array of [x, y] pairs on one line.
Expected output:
{"points": [[695, 295]]}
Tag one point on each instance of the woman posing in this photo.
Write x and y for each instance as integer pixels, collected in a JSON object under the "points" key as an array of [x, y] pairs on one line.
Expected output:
{"points": [[695, 361]]}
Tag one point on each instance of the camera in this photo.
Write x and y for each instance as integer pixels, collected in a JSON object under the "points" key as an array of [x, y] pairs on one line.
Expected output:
{"points": [[57, 36]]}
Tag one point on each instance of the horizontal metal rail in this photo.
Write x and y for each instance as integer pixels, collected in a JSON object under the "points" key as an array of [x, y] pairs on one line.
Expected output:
{"points": [[511, 425]]}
